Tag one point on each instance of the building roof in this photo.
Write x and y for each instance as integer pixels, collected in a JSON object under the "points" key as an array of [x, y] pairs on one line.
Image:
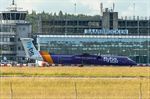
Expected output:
{"points": [[94, 36]]}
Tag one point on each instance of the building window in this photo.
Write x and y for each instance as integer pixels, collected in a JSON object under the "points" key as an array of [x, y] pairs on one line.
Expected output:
{"points": [[12, 39], [23, 28], [19, 48], [18, 39]]}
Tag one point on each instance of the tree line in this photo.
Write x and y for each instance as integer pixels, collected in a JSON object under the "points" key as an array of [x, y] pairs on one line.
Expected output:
{"points": [[34, 17]]}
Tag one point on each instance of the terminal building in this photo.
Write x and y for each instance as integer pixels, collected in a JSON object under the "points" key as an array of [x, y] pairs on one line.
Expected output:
{"points": [[105, 35], [13, 27]]}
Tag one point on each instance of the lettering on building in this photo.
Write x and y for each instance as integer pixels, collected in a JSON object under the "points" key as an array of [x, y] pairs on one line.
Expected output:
{"points": [[105, 31]]}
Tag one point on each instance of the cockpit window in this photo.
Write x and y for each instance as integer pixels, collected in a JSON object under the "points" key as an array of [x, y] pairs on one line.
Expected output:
{"points": [[129, 59]]}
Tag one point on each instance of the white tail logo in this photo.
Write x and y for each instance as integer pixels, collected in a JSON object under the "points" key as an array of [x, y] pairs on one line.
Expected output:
{"points": [[30, 50]]}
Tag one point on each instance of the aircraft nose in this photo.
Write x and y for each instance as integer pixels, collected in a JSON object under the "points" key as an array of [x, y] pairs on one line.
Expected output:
{"points": [[133, 63]]}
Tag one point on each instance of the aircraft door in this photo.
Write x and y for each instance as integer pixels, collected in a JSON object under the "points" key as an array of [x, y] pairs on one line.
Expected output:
{"points": [[98, 60]]}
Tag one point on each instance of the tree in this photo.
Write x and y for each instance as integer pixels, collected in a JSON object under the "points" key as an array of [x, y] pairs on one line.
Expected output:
{"points": [[33, 13], [60, 14]]}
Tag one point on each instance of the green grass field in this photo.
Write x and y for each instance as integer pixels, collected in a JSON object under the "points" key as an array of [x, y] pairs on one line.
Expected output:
{"points": [[63, 83]]}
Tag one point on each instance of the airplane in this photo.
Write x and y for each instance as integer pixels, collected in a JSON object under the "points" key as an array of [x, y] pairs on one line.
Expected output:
{"points": [[82, 59]]}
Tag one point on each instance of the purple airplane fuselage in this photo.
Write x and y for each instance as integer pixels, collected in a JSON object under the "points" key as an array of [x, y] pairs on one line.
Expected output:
{"points": [[87, 59]]}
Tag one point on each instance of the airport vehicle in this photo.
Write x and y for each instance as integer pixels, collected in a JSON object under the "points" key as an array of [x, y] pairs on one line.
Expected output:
{"points": [[82, 59], [6, 62]]}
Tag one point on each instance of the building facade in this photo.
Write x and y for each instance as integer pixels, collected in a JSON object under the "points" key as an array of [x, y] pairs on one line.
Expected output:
{"points": [[13, 27], [108, 21], [106, 35], [135, 47]]}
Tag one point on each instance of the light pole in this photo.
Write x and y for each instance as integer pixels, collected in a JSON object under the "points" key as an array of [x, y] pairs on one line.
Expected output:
{"points": [[148, 46], [75, 8], [1, 36]]}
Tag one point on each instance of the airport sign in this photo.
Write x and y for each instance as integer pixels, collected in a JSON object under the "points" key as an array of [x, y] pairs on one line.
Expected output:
{"points": [[105, 31]]}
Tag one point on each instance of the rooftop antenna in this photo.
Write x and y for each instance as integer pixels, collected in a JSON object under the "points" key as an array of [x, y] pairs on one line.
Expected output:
{"points": [[101, 9], [133, 9], [113, 7], [13, 2], [13, 6], [75, 8]]}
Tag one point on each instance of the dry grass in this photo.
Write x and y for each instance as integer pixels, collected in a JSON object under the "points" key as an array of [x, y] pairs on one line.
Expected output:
{"points": [[48, 88], [77, 71], [64, 88]]}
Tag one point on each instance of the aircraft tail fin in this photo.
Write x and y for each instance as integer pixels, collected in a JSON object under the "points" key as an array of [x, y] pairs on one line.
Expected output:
{"points": [[30, 50]]}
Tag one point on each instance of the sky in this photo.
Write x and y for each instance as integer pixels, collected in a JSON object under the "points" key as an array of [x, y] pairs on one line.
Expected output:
{"points": [[88, 7]]}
